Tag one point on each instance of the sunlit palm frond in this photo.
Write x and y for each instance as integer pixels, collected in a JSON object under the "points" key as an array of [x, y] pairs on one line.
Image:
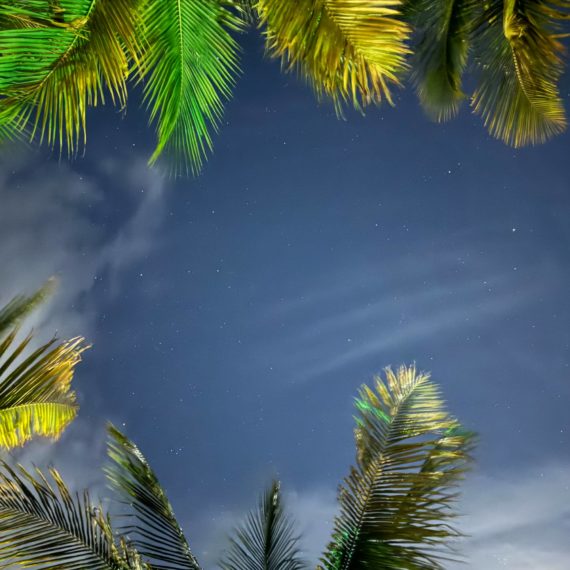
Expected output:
{"points": [[440, 56], [154, 531], [22, 305], [396, 503], [36, 398], [51, 71], [349, 50], [266, 540], [519, 60], [189, 68], [44, 526]]}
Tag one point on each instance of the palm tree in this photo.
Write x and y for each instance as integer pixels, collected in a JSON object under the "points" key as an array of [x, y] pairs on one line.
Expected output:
{"points": [[395, 505], [36, 398], [59, 58]]}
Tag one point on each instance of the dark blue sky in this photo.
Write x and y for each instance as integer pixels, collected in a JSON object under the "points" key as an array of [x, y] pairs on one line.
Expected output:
{"points": [[234, 315]]}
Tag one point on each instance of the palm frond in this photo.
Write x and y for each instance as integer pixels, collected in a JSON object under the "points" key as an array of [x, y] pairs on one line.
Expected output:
{"points": [[155, 532], [44, 526], [63, 62], [349, 50], [189, 68], [266, 540], [440, 56], [36, 398], [519, 59], [22, 305], [396, 503]]}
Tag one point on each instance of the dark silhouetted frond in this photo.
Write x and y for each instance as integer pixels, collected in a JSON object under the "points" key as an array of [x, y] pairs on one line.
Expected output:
{"points": [[154, 531], [396, 503], [266, 540], [22, 305], [44, 526], [440, 56]]}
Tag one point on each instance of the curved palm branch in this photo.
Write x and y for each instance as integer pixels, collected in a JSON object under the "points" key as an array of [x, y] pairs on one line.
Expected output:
{"points": [[155, 532], [22, 305], [62, 62], [189, 66], [519, 61], [35, 393], [395, 504], [349, 50], [266, 541], [440, 56], [35, 389], [43, 525]]}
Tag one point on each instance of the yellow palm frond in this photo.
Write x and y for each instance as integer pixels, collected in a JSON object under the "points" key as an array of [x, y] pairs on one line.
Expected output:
{"points": [[519, 59], [396, 502], [350, 50], [36, 398]]}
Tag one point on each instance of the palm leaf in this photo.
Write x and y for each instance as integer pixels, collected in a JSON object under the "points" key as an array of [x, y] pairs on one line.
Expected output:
{"points": [[519, 58], [266, 540], [396, 503], [35, 390], [189, 67], [440, 56], [43, 525], [349, 50], [155, 531], [51, 71], [22, 305]]}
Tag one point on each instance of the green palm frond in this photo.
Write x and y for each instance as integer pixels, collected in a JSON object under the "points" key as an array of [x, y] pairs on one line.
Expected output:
{"points": [[266, 541], [154, 532], [35, 390], [63, 62], [519, 59], [44, 526], [396, 503], [189, 68], [22, 305], [349, 50], [440, 56]]}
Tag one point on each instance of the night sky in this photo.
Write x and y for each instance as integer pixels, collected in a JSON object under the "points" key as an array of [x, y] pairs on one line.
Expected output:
{"points": [[233, 316]]}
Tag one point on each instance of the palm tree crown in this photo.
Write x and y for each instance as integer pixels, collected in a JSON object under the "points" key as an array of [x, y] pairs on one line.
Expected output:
{"points": [[395, 504], [60, 57]]}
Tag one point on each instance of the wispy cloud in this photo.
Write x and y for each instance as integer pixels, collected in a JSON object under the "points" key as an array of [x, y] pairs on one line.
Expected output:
{"points": [[50, 224], [372, 311]]}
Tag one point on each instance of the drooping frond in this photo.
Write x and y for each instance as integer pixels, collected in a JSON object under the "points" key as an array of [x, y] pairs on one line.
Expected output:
{"points": [[189, 68], [349, 50], [62, 62], [266, 540], [519, 59], [44, 526], [36, 398], [154, 531], [440, 56], [396, 502], [22, 305]]}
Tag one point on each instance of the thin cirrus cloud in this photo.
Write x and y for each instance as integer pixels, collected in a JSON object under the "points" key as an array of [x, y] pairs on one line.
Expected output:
{"points": [[369, 315]]}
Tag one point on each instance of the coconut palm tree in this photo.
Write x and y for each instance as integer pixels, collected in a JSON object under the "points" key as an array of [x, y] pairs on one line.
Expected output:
{"points": [[59, 57], [395, 504], [36, 398]]}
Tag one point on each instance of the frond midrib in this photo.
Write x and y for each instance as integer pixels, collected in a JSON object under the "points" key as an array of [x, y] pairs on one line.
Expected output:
{"points": [[376, 468], [65, 533]]}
